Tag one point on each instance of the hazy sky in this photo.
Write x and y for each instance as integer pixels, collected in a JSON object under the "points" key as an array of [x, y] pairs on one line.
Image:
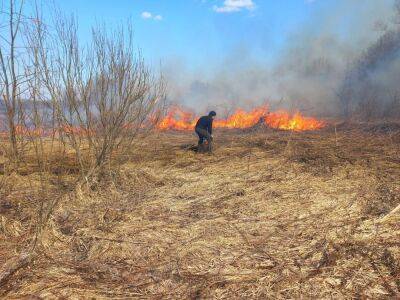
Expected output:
{"points": [[216, 52], [200, 31]]}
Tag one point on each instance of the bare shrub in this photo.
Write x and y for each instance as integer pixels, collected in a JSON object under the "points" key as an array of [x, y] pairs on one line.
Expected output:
{"points": [[92, 101], [103, 94], [12, 77]]}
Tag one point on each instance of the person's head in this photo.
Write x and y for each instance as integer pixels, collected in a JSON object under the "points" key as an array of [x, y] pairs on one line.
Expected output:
{"points": [[212, 114]]}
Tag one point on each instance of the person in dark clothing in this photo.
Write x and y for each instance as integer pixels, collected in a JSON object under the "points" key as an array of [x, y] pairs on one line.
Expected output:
{"points": [[204, 130]]}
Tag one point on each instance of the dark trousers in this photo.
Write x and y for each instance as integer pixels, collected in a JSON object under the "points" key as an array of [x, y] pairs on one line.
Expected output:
{"points": [[204, 135]]}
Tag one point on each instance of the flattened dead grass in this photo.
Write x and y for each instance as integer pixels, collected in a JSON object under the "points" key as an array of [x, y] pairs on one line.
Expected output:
{"points": [[269, 215]]}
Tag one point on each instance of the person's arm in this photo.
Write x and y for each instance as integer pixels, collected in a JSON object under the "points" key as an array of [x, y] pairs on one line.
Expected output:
{"points": [[210, 126]]}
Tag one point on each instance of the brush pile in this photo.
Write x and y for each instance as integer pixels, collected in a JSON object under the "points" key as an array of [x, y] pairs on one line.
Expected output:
{"points": [[270, 214]]}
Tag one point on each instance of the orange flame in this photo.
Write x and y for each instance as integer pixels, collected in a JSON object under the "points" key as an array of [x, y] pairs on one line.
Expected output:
{"points": [[178, 119], [282, 120], [25, 131], [242, 119]]}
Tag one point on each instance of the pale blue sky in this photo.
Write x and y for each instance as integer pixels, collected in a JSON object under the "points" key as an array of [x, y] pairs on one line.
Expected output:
{"points": [[199, 31]]}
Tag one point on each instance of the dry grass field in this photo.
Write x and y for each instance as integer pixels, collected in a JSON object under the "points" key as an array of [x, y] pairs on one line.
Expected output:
{"points": [[271, 214]]}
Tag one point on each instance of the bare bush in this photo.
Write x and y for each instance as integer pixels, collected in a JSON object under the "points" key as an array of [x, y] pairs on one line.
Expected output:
{"points": [[12, 77], [103, 94], [92, 101]]}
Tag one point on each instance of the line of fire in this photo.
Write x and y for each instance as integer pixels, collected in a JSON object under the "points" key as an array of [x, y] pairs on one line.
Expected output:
{"points": [[179, 119]]}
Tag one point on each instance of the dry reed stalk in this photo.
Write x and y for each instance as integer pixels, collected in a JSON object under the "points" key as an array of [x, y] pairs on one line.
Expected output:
{"points": [[390, 214], [248, 160], [287, 148], [336, 139]]}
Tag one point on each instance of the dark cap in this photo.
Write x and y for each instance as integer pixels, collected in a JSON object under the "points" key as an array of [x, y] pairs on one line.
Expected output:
{"points": [[212, 113]]}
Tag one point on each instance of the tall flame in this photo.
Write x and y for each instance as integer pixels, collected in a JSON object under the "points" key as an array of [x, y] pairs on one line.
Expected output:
{"points": [[282, 120], [178, 119], [242, 119]]}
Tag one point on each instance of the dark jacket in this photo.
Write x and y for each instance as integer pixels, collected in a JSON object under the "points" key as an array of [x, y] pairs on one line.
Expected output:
{"points": [[205, 123]]}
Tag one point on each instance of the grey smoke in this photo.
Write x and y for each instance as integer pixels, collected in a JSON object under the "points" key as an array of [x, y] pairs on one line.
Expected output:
{"points": [[370, 87], [345, 58]]}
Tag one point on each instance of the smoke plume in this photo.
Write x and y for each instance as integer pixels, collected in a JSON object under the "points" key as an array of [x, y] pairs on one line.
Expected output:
{"points": [[344, 61]]}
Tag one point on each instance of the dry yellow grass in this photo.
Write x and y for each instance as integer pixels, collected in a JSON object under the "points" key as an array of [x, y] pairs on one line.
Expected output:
{"points": [[268, 215]]}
